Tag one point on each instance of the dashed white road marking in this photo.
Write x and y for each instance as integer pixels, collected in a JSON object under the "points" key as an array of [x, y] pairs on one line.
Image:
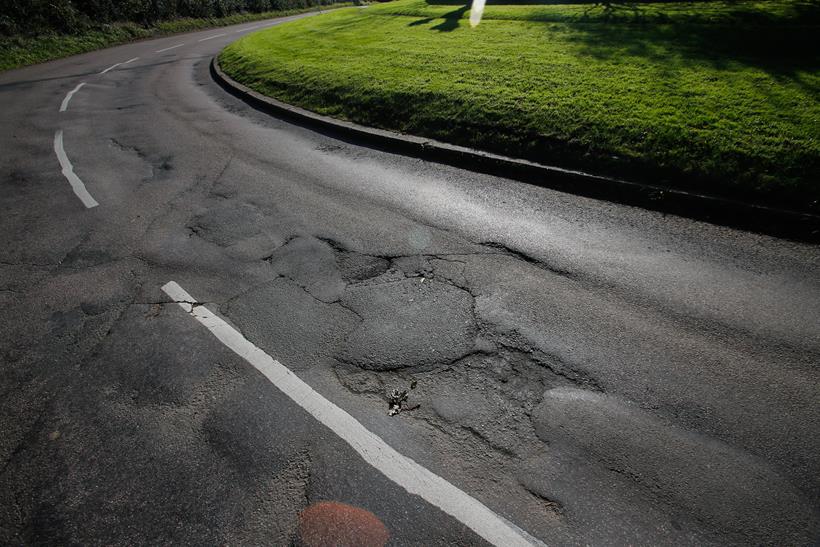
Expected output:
{"points": [[211, 37], [247, 29], [112, 67], [400, 469], [130, 60], [64, 105], [68, 172], [170, 48]]}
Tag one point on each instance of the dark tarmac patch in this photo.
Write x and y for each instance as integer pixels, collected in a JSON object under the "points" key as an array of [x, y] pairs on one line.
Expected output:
{"points": [[83, 257], [16, 179], [311, 264], [354, 266], [228, 224]]}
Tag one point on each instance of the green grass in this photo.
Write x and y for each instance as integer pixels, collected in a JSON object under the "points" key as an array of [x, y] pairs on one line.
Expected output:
{"points": [[712, 96], [18, 51]]}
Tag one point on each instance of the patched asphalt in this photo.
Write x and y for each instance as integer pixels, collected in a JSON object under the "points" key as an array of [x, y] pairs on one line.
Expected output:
{"points": [[595, 373]]}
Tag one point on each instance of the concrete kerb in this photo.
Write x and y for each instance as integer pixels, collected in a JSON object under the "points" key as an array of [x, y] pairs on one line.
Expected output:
{"points": [[717, 210]]}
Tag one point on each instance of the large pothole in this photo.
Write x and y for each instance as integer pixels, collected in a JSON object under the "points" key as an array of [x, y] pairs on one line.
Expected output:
{"points": [[411, 322]]}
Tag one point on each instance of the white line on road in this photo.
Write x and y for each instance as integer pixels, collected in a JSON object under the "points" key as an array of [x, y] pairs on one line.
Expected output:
{"points": [[170, 48], [64, 106], [110, 68], [68, 172], [400, 469], [247, 29], [130, 60], [211, 37]]}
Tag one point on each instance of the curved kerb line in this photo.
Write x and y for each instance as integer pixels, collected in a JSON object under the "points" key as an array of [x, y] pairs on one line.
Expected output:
{"points": [[398, 468], [68, 172]]}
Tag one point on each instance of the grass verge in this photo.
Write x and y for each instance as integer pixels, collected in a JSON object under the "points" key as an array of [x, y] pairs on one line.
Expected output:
{"points": [[18, 51], [721, 97]]}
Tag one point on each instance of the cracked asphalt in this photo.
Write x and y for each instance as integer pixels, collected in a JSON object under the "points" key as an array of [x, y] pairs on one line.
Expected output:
{"points": [[595, 373]]}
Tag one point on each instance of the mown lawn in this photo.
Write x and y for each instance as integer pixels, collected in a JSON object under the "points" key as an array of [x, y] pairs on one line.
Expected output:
{"points": [[720, 97]]}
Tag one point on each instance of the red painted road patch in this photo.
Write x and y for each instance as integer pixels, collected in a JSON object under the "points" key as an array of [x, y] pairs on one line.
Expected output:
{"points": [[331, 523]]}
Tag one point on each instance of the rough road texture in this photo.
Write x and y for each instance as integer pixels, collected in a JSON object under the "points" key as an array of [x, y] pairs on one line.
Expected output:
{"points": [[595, 373]]}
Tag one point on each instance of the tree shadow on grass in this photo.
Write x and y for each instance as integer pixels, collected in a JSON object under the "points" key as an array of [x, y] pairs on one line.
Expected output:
{"points": [[784, 46], [612, 9], [781, 51], [451, 19], [616, 4]]}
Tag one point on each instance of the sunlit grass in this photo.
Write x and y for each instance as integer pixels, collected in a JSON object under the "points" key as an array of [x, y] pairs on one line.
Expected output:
{"points": [[721, 96]]}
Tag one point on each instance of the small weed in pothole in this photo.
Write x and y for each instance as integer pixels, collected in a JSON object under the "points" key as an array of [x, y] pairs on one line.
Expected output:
{"points": [[397, 398]]}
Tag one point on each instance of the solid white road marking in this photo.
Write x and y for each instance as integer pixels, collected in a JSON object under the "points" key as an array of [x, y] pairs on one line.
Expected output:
{"points": [[64, 106], [170, 48], [110, 68], [400, 469], [68, 172], [212, 37], [130, 60]]}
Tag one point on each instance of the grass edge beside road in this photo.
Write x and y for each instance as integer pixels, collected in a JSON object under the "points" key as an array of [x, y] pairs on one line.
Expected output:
{"points": [[762, 154], [22, 51]]}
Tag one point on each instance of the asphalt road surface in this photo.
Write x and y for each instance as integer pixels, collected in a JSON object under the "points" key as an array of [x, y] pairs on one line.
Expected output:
{"points": [[583, 372]]}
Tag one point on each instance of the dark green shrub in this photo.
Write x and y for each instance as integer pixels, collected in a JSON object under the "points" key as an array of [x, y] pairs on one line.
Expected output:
{"points": [[75, 16]]}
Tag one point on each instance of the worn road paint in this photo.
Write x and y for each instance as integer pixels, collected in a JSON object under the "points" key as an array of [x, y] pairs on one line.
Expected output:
{"points": [[400, 469], [130, 60], [110, 68], [68, 172], [211, 37], [64, 106], [170, 48], [247, 29]]}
